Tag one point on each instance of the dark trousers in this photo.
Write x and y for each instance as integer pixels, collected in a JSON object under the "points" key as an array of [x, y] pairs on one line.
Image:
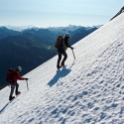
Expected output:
{"points": [[60, 57], [13, 88]]}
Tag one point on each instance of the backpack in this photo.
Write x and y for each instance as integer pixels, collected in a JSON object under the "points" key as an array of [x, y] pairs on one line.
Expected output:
{"points": [[58, 43], [10, 74]]}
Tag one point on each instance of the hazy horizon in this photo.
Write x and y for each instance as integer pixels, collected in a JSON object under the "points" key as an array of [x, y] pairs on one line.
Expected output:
{"points": [[20, 28]]}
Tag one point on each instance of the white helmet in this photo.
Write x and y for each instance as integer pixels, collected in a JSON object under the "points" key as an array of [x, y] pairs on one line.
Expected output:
{"points": [[19, 68], [67, 35]]}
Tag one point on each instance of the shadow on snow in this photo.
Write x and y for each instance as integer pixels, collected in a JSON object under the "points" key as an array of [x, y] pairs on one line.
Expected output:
{"points": [[59, 74], [2, 110]]}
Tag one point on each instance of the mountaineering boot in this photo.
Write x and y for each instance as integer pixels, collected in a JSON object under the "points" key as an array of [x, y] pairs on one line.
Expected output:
{"points": [[62, 64], [11, 98], [58, 66], [17, 93]]}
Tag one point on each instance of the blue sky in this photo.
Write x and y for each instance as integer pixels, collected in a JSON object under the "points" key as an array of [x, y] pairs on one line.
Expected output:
{"points": [[46, 13]]}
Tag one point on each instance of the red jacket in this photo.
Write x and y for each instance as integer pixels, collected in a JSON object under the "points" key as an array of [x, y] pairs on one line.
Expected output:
{"points": [[17, 77]]}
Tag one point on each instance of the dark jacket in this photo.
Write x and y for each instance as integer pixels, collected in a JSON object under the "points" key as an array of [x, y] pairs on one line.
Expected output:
{"points": [[63, 45], [66, 42]]}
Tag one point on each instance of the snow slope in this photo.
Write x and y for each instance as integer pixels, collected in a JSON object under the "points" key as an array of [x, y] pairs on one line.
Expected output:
{"points": [[89, 90]]}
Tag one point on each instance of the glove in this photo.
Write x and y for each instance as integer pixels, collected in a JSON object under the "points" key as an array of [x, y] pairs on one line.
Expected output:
{"points": [[26, 79]]}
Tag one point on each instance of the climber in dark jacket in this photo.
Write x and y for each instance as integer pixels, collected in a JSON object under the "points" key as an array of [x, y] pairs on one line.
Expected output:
{"points": [[62, 50]]}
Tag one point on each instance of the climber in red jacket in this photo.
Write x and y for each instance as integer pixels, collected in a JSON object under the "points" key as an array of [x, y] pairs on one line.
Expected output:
{"points": [[14, 84]]}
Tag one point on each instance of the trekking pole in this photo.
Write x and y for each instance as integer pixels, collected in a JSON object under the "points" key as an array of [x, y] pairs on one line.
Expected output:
{"points": [[27, 85], [73, 54]]}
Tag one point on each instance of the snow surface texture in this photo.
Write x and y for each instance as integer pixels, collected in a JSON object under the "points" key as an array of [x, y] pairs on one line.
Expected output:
{"points": [[89, 90]]}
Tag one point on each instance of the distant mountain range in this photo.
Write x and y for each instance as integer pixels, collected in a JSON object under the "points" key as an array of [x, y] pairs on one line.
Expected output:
{"points": [[33, 46]]}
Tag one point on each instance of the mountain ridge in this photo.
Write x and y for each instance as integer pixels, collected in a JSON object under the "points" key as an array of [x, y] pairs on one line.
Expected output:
{"points": [[31, 44]]}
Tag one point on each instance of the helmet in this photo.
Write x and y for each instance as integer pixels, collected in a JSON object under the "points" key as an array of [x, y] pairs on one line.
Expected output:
{"points": [[19, 68], [67, 35]]}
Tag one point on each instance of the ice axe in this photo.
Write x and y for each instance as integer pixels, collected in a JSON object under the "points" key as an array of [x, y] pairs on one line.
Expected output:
{"points": [[27, 84], [73, 54]]}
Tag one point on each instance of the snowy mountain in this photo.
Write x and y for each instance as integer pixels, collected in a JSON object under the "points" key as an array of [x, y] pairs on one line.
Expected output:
{"points": [[88, 90]]}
